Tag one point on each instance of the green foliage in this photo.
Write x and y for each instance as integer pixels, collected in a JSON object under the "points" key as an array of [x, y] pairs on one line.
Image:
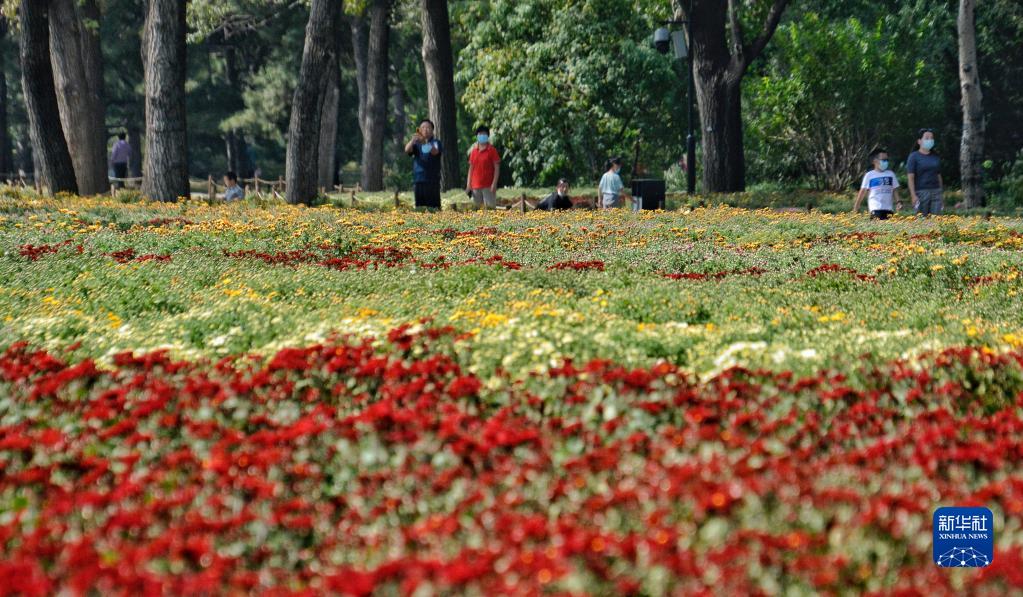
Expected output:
{"points": [[1007, 193], [999, 31], [831, 93], [565, 85]]}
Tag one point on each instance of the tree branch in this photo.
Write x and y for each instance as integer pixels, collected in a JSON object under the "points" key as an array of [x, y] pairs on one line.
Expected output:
{"points": [[773, 18], [678, 11], [738, 47], [244, 23]]}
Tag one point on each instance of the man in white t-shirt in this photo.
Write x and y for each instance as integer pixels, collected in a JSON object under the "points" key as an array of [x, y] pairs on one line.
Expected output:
{"points": [[883, 186]]}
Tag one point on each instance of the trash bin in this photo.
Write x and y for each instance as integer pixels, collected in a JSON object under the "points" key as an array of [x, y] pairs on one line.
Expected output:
{"points": [[649, 193]]}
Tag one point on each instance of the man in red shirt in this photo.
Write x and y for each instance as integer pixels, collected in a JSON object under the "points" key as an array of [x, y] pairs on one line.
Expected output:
{"points": [[484, 170]]}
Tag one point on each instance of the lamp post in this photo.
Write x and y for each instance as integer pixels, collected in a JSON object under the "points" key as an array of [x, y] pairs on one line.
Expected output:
{"points": [[665, 40]]}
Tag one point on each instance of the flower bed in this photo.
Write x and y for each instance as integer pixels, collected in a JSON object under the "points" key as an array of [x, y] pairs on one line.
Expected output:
{"points": [[343, 467], [199, 399]]}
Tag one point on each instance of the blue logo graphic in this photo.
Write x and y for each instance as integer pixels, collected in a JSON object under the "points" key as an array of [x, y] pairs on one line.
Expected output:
{"points": [[963, 537]]}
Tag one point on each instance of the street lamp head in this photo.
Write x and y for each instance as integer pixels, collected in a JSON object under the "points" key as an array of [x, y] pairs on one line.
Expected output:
{"points": [[662, 40]]}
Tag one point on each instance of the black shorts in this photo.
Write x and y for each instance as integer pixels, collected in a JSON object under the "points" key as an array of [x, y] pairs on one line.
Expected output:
{"points": [[881, 214], [120, 171], [427, 194]]}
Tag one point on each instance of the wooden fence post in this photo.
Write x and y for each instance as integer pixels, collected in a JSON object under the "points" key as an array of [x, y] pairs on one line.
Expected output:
{"points": [[397, 202], [523, 203], [209, 188]]}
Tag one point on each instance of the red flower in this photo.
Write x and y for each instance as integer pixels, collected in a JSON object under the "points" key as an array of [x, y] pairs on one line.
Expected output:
{"points": [[578, 266], [463, 387]]}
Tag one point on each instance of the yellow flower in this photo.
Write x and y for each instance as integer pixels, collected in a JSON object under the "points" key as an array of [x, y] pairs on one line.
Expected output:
{"points": [[1013, 340]]}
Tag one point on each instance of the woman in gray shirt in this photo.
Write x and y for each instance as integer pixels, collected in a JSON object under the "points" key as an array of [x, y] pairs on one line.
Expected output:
{"points": [[924, 169]]}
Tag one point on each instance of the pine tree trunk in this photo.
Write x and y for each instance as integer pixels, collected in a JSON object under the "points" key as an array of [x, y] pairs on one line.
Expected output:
{"points": [[135, 161], [376, 96], [971, 150], [233, 142], [440, 85], [6, 157], [24, 157], [78, 75], [399, 110], [328, 129], [234, 146], [319, 55], [164, 56], [49, 147], [360, 48]]}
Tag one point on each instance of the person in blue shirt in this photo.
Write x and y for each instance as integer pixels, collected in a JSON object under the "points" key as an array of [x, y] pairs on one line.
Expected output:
{"points": [[425, 150], [924, 170]]}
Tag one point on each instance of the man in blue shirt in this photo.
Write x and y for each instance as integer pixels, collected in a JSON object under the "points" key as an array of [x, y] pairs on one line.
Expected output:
{"points": [[425, 151]]}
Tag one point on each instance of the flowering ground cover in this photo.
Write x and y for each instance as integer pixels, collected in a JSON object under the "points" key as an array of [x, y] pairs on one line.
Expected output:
{"points": [[230, 399]]}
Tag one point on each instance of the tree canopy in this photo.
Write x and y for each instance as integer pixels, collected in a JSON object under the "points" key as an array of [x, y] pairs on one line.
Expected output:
{"points": [[566, 84]]}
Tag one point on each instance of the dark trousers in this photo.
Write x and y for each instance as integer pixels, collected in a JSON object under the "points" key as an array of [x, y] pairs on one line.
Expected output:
{"points": [[120, 171], [881, 214], [427, 194]]}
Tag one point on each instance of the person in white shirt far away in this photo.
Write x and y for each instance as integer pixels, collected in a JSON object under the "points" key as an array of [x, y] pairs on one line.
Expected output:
{"points": [[611, 189]]}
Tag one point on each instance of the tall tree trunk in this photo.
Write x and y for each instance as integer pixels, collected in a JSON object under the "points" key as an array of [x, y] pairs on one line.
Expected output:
{"points": [[399, 111], [6, 157], [328, 129], [24, 159], [164, 55], [360, 48], [55, 170], [319, 54], [78, 75], [971, 149], [376, 96], [233, 142], [135, 161], [719, 100], [440, 85], [720, 60]]}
